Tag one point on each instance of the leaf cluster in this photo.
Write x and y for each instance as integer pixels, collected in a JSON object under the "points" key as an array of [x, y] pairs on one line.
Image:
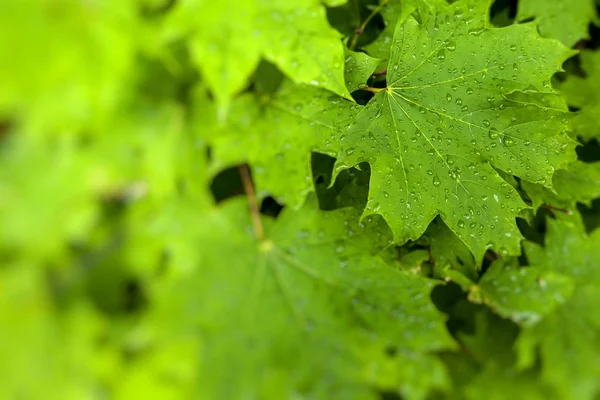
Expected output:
{"points": [[316, 199]]}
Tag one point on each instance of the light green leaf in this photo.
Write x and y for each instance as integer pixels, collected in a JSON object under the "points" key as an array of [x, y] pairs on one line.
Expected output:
{"points": [[228, 39], [565, 20], [394, 12], [359, 67], [380, 47], [64, 63], [579, 183], [298, 120], [312, 308], [451, 109], [567, 340], [54, 347], [67, 195], [448, 252], [334, 3], [485, 369], [584, 93], [525, 295]]}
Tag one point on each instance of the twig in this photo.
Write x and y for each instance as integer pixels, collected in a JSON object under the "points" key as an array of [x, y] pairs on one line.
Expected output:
{"points": [[552, 208], [380, 73], [361, 29], [372, 89], [254, 211], [491, 256]]}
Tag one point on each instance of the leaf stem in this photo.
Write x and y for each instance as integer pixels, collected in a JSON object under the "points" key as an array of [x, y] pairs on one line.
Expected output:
{"points": [[361, 29], [380, 73], [253, 204], [372, 89], [552, 208]]}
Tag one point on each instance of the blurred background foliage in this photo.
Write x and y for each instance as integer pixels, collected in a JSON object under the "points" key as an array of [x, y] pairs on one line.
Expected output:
{"points": [[106, 203]]}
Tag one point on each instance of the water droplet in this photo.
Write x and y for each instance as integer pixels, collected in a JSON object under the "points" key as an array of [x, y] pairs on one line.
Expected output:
{"points": [[508, 141], [436, 181]]}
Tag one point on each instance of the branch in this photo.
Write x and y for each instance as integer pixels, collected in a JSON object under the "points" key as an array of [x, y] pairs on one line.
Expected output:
{"points": [[552, 208], [372, 89], [380, 73], [253, 204], [361, 29]]}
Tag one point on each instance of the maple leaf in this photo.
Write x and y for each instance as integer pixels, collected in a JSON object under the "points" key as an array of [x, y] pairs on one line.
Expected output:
{"points": [[447, 251], [230, 37], [296, 121], [579, 183], [351, 19], [525, 295], [565, 20], [455, 106], [391, 11], [359, 67], [311, 309], [486, 366], [584, 93], [568, 338]]}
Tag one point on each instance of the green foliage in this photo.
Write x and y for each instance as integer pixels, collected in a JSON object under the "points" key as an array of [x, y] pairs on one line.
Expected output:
{"points": [[565, 20], [248, 199], [582, 92], [450, 110]]}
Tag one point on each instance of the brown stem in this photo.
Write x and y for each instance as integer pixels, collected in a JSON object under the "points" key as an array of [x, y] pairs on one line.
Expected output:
{"points": [[254, 211], [361, 29], [380, 73], [490, 256], [372, 89], [552, 208]]}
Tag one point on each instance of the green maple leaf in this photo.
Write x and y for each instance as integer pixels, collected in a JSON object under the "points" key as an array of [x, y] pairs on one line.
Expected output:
{"points": [[455, 106], [486, 367], [579, 183], [390, 13], [349, 17], [565, 20], [311, 309], [525, 295], [584, 93], [230, 37], [567, 340], [359, 67], [296, 121], [448, 252]]}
